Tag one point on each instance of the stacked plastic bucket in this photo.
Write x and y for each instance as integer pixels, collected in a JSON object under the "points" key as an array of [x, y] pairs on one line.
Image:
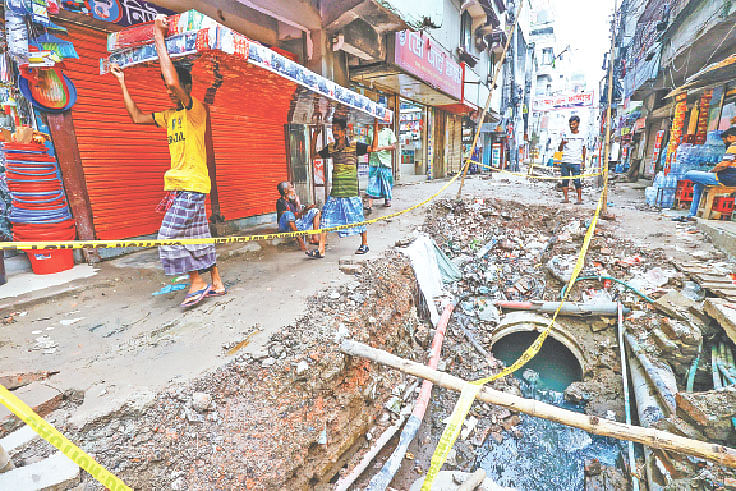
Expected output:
{"points": [[39, 209]]}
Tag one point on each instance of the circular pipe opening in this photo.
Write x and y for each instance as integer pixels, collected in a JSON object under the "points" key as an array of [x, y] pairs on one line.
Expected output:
{"points": [[555, 363]]}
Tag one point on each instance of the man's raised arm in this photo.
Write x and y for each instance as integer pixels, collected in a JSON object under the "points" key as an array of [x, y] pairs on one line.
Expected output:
{"points": [[171, 79], [136, 115]]}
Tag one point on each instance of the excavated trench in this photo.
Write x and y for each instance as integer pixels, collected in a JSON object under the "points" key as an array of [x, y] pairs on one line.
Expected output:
{"points": [[301, 415]]}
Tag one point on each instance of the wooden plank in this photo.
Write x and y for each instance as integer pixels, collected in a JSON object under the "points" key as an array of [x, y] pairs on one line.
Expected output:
{"points": [[61, 127]]}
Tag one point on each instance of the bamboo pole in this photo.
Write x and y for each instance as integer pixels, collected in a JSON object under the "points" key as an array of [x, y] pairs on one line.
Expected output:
{"points": [[604, 158], [499, 65], [646, 436]]}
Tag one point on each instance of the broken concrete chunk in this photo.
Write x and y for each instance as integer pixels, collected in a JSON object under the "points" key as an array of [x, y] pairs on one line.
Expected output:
{"points": [[677, 305], [55, 472], [664, 342], [711, 411], [725, 313], [12, 381], [201, 401], [40, 397]]}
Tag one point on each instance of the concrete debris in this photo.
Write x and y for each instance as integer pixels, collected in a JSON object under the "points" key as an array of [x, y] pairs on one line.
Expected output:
{"points": [[675, 304], [12, 381], [42, 398], [711, 412], [55, 472], [724, 313], [201, 402]]}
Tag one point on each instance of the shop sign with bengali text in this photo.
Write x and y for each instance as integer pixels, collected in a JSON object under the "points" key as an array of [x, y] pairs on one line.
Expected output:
{"points": [[423, 57], [565, 101], [121, 12]]}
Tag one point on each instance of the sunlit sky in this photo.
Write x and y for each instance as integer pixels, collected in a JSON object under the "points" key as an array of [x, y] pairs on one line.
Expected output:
{"points": [[584, 25]]}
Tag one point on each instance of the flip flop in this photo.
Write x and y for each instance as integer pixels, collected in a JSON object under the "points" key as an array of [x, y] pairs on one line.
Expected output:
{"points": [[192, 299], [314, 254], [215, 293]]}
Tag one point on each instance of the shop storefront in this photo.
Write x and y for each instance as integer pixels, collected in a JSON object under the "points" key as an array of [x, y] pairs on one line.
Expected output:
{"points": [[115, 168], [700, 111], [427, 83]]}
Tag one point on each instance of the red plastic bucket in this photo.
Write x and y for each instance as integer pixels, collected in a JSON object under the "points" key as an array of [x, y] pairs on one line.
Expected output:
{"points": [[51, 261]]}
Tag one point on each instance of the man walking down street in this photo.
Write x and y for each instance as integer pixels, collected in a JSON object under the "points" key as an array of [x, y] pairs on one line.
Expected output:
{"points": [[722, 174], [572, 147], [381, 179], [187, 182], [344, 205]]}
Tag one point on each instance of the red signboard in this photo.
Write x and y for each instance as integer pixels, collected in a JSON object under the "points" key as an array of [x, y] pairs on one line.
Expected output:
{"points": [[420, 55]]}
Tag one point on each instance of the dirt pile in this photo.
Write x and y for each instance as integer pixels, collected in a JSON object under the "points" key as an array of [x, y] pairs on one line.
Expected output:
{"points": [[282, 419]]}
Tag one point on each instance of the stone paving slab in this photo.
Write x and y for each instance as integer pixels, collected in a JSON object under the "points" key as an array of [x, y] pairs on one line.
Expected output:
{"points": [[55, 472]]}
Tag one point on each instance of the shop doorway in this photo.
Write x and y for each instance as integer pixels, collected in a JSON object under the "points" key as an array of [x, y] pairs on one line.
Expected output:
{"points": [[413, 138]]}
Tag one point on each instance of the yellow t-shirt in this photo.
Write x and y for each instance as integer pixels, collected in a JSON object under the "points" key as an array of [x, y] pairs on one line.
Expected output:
{"points": [[185, 130]]}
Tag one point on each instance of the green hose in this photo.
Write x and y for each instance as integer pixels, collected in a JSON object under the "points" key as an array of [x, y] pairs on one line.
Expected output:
{"points": [[601, 278]]}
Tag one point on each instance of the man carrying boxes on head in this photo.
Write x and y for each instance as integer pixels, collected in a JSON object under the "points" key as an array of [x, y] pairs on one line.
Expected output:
{"points": [[187, 182]]}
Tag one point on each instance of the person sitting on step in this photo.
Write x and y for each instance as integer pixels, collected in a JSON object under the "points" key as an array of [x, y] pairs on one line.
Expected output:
{"points": [[291, 217], [722, 174]]}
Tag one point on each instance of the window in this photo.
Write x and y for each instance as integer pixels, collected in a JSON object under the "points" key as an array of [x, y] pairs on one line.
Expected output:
{"points": [[466, 27], [547, 56]]}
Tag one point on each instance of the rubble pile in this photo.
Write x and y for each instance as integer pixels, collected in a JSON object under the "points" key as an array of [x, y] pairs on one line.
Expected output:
{"points": [[284, 417]]}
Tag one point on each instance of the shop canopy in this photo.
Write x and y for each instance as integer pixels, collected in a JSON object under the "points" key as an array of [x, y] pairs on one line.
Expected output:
{"points": [[709, 77], [317, 100]]}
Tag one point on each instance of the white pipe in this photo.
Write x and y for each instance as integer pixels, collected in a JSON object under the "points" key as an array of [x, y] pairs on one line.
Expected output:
{"points": [[627, 403]]}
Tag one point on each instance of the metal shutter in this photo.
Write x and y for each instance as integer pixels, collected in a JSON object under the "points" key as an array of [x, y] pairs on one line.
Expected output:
{"points": [[249, 115], [123, 163]]}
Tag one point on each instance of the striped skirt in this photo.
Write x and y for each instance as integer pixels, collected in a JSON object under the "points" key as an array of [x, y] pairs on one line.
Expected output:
{"points": [[186, 219], [343, 211], [380, 182]]}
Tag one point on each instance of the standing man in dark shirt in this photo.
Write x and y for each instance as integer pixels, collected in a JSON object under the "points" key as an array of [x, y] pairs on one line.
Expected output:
{"points": [[344, 205]]}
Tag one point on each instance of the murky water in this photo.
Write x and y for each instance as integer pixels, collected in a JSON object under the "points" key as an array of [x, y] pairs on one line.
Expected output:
{"points": [[556, 365], [550, 456]]}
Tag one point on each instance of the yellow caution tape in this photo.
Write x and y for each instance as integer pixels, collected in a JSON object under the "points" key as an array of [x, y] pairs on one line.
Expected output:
{"points": [[52, 435], [468, 394], [106, 244], [535, 176]]}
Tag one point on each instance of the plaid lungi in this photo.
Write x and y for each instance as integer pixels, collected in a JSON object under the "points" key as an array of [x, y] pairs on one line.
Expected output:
{"points": [[186, 219], [343, 211], [380, 181]]}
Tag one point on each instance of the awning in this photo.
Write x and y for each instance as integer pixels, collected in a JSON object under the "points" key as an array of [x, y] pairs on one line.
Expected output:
{"points": [[709, 77], [317, 99], [418, 68]]}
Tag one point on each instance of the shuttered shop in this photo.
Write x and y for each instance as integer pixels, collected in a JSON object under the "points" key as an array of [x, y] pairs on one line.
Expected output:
{"points": [[124, 163], [454, 144], [248, 116]]}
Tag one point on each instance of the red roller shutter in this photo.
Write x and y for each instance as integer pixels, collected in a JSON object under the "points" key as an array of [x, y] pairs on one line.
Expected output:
{"points": [[248, 117], [123, 163]]}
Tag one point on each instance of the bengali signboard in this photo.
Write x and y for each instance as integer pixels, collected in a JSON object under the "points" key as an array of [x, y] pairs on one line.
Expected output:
{"points": [[420, 55], [122, 12], [565, 101]]}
